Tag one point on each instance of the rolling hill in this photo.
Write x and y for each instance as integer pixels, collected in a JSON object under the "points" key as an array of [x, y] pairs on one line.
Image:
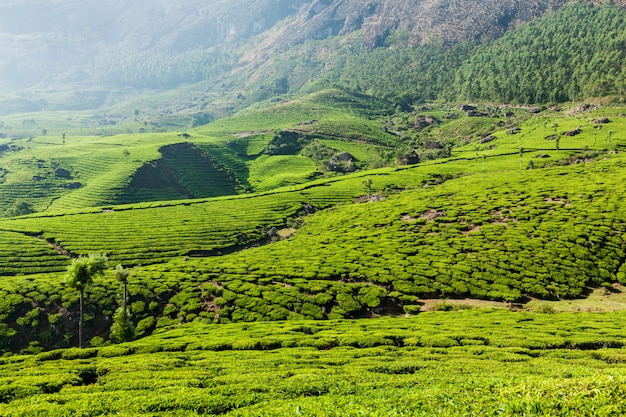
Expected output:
{"points": [[236, 221]]}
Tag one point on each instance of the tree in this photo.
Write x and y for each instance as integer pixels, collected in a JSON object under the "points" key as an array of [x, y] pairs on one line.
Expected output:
{"points": [[20, 208], [80, 274], [368, 186], [484, 159], [122, 329], [121, 274]]}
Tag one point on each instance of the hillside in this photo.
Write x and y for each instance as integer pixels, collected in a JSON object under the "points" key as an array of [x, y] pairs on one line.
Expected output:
{"points": [[489, 205], [448, 364], [120, 58]]}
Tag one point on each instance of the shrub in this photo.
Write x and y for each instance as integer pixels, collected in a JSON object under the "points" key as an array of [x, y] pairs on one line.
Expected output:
{"points": [[442, 306], [138, 307], [545, 308], [438, 341], [144, 326], [50, 356], [115, 351], [122, 329], [97, 341], [77, 353], [412, 309]]}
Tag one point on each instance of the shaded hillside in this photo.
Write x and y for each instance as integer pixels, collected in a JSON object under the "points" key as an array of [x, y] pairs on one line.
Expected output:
{"points": [[95, 55], [58, 42], [183, 172]]}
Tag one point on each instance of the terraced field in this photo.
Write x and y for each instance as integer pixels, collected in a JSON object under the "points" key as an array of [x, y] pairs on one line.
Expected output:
{"points": [[490, 222]]}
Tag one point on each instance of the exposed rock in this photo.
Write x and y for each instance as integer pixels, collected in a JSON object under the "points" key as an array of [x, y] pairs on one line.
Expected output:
{"points": [[487, 139], [423, 122], [62, 173], [514, 131], [467, 107], [472, 113], [72, 185], [432, 144], [601, 120], [574, 132], [343, 162], [410, 158], [432, 215]]}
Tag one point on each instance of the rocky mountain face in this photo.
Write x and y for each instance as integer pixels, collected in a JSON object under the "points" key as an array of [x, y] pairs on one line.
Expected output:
{"points": [[448, 20]]}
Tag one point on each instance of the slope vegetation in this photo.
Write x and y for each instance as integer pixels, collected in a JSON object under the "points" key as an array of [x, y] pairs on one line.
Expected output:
{"points": [[538, 364], [530, 210]]}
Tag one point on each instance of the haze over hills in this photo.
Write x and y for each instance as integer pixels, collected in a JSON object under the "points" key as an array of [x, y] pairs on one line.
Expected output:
{"points": [[85, 54]]}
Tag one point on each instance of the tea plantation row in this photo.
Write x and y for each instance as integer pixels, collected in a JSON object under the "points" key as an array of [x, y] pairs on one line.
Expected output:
{"points": [[380, 242], [548, 233], [473, 362]]}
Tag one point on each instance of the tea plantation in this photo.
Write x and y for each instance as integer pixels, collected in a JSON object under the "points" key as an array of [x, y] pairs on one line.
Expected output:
{"points": [[236, 233], [468, 362], [530, 210]]}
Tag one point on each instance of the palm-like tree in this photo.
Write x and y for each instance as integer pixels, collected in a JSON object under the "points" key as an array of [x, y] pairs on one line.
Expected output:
{"points": [[80, 274], [121, 274]]}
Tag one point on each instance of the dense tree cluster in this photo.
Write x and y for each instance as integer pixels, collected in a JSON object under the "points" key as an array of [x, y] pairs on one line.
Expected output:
{"points": [[573, 54]]}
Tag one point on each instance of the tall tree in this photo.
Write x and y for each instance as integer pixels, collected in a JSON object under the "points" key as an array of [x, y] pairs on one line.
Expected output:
{"points": [[80, 274], [122, 329], [121, 274]]}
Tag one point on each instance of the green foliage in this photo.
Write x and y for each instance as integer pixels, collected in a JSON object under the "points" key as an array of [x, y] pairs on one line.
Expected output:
{"points": [[122, 329], [366, 367], [121, 273], [573, 54], [20, 208], [82, 270]]}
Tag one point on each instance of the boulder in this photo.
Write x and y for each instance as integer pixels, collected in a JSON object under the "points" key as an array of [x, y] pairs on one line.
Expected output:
{"points": [[72, 185], [432, 144], [343, 162], [473, 113], [574, 132], [422, 122], [62, 173]]}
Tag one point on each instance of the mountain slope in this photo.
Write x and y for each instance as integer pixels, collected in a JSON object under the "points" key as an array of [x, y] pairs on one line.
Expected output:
{"points": [[67, 48]]}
